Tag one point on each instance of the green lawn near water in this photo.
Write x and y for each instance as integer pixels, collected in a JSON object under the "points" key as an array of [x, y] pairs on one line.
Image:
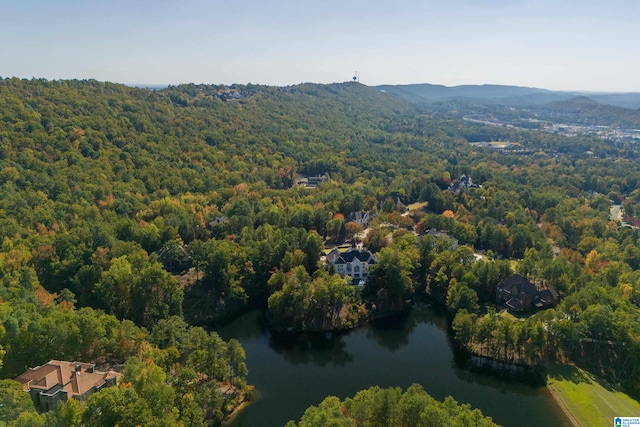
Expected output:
{"points": [[589, 401]]}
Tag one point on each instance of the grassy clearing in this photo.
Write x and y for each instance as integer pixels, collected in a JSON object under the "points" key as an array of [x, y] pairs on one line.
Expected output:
{"points": [[586, 400], [416, 206]]}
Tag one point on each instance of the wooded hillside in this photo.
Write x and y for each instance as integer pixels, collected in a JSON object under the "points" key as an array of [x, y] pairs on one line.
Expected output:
{"points": [[129, 217]]}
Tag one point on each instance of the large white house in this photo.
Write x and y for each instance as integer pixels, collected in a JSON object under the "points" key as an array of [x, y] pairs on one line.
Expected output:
{"points": [[353, 262]]}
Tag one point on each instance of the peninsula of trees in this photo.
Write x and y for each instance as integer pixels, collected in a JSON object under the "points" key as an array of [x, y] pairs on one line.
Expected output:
{"points": [[392, 407]]}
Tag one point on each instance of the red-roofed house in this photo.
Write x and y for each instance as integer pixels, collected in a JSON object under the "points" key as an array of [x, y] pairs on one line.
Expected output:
{"points": [[58, 381]]}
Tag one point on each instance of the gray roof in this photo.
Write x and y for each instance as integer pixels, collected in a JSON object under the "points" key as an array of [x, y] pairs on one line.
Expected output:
{"points": [[357, 216], [518, 284], [347, 257]]}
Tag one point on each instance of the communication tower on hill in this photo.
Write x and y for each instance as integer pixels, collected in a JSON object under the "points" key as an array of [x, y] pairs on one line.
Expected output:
{"points": [[356, 78]]}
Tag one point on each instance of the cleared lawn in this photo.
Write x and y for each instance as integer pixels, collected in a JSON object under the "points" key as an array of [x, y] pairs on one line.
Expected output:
{"points": [[586, 400], [416, 206]]}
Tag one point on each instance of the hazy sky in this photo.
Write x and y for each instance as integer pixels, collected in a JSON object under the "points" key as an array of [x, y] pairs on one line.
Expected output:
{"points": [[553, 44]]}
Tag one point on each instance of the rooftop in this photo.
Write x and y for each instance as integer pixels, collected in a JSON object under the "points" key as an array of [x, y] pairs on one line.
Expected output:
{"points": [[75, 378]]}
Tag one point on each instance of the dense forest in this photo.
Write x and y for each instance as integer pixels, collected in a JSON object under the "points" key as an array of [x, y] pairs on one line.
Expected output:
{"points": [[392, 407], [131, 219]]}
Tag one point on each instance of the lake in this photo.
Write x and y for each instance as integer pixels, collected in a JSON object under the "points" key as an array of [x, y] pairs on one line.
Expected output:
{"points": [[293, 371]]}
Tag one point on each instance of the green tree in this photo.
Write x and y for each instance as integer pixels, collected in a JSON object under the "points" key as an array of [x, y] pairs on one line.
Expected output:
{"points": [[391, 407], [13, 401], [149, 382], [238, 367], [464, 327], [190, 413], [155, 295], [336, 230], [110, 407], [460, 296], [312, 247], [115, 286], [3, 333], [68, 414], [391, 283], [30, 419]]}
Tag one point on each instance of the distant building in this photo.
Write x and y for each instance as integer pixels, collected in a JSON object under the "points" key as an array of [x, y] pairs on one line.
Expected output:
{"points": [[359, 217], [218, 221], [517, 293], [58, 381], [353, 262], [464, 183], [312, 181]]}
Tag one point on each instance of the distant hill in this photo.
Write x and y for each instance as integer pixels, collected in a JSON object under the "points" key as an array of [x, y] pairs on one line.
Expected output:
{"points": [[585, 110], [574, 105], [148, 86], [598, 109], [624, 100], [485, 94], [502, 94]]}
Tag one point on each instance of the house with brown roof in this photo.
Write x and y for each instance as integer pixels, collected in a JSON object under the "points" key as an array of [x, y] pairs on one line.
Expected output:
{"points": [[59, 380]]}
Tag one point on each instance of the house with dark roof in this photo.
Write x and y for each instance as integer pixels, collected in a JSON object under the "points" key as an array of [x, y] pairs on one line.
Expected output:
{"points": [[548, 297], [218, 221], [353, 262], [359, 217], [464, 183], [311, 181], [58, 380], [517, 293]]}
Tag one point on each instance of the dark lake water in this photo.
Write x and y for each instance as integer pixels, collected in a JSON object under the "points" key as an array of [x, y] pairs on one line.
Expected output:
{"points": [[292, 372]]}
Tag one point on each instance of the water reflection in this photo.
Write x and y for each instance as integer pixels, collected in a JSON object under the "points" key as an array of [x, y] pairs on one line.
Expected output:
{"points": [[320, 349], [393, 333], [252, 325], [293, 371]]}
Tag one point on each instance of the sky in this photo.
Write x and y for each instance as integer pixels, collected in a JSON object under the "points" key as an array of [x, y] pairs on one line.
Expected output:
{"points": [[553, 44]]}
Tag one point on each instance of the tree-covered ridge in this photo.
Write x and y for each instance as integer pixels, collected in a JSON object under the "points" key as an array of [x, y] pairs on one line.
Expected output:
{"points": [[128, 136], [138, 206], [392, 407], [118, 195]]}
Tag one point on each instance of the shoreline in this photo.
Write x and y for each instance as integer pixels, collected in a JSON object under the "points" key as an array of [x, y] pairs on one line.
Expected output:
{"points": [[255, 395], [587, 400], [236, 411], [556, 395]]}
